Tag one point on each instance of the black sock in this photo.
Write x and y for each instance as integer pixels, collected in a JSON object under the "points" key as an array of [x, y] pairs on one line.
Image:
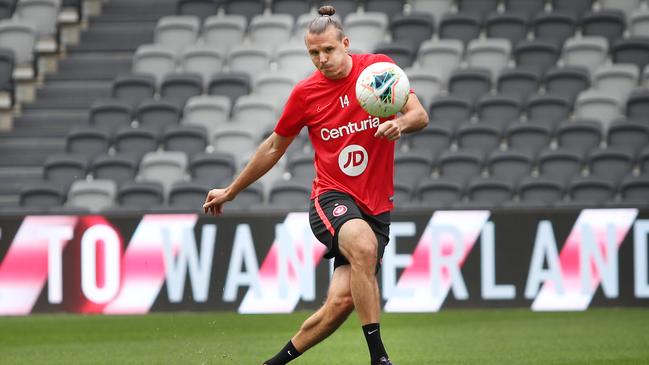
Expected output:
{"points": [[372, 334], [287, 354]]}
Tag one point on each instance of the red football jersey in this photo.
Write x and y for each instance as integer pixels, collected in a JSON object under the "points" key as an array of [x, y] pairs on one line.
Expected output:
{"points": [[348, 158]]}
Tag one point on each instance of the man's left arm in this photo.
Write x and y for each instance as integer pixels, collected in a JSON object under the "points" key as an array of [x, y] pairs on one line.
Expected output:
{"points": [[413, 118]]}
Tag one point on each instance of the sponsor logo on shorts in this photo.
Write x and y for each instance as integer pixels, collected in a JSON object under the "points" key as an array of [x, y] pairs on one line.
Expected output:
{"points": [[339, 210]]}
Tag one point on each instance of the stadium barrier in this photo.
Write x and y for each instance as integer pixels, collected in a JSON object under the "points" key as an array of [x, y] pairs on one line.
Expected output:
{"points": [[542, 260]]}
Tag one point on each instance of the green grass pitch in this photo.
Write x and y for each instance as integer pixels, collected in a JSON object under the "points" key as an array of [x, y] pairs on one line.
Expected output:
{"points": [[597, 336]]}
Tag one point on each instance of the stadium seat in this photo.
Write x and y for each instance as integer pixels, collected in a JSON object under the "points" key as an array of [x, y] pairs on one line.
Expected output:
{"points": [[582, 135], [190, 139], [20, 37], [461, 26], [292, 58], [490, 192], [637, 106], [527, 8], [539, 192], [179, 87], [555, 27], [526, 137], [438, 193], [188, 195], [498, 110], [620, 79], [638, 23], [295, 8], [343, 7], [62, 169], [7, 8], [232, 85], [567, 81], [222, 32], [511, 26], [134, 88], [94, 195], [198, 8], [209, 111], [165, 167], [202, 59], [402, 193], [366, 30], [470, 83], [157, 114], [135, 142], [249, 198], [598, 104], [300, 166], [110, 114], [275, 85], [590, 192], [589, 52], [255, 109], [611, 164], [483, 138], [548, 110], [460, 166], [518, 82], [156, 60], [432, 140], [402, 54], [119, 168], [140, 195], [537, 55], [87, 141], [437, 8], [634, 190], [41, 196], [270, 30], [627, 6], [443, 55], [41, 13], [240, 143], [289, 194], [509, 165], [426, 83], [450, 110], [7, 65], [492, 54], [643, 161], [560, 164], [412, 167], [412, 29], [630, 50], [575, 7], [628, 135], [250, 59], [177, 32], [479, 8], [247, 8], [606, 23], [212, 168], [387, 7]]}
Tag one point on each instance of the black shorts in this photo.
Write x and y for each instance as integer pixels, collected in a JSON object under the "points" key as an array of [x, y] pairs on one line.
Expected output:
{"points": [[330, 210]]}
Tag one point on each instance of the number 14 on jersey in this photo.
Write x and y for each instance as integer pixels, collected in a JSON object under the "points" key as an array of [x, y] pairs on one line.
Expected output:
{"points": [[344, 101]]}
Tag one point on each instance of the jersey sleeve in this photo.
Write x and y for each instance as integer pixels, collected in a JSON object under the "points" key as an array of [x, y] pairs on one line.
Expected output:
{"points": [[292, 119]]}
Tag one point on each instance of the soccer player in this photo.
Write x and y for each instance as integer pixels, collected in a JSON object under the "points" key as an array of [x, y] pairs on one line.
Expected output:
{"points": [[353, 188]]}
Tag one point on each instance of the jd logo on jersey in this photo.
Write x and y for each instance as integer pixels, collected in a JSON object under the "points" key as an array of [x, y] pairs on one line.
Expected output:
{"points": [[353, 160]]}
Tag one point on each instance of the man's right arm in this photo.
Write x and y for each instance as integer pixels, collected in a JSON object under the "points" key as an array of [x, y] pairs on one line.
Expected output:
{"points": [[266, 156]]}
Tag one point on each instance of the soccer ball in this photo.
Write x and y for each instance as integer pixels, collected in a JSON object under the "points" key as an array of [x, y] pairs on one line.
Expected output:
{"points": [[382, 89]]}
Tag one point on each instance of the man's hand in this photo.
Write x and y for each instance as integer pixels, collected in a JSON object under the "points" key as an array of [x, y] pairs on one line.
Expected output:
{"points": [[390, 130], [215, 200]]}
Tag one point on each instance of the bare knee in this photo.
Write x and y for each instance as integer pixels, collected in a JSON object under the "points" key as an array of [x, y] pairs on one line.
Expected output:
{"points": [[340, 306], [358, 243]]}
